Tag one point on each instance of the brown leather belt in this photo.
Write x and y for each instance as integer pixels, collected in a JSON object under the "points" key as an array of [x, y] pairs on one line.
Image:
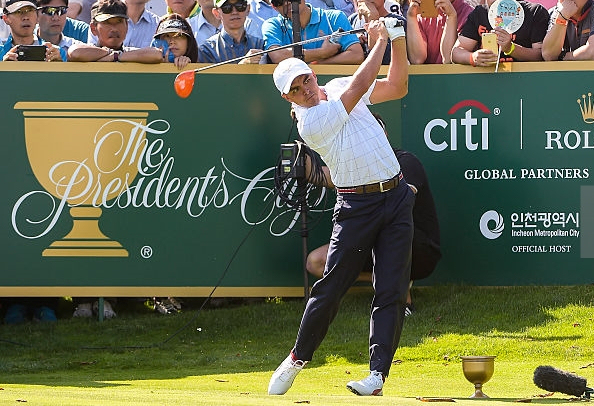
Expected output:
{"points": [[373, 187]]}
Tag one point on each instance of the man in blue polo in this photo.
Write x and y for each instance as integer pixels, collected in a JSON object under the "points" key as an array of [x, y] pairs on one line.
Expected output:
{"points": [[315, 22]]}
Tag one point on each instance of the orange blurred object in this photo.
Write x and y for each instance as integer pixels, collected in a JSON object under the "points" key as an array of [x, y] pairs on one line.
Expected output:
{"points": [[184, 83]]}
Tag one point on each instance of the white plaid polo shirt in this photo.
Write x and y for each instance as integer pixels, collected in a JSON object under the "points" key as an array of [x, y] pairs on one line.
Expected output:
{"points": [[353, 146]]}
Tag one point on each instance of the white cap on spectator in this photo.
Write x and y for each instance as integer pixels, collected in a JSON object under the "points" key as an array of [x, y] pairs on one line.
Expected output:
{"points": [[14, 5]]}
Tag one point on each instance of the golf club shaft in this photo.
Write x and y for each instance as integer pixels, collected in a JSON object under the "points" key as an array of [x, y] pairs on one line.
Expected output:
{"points": [[306, 41]]}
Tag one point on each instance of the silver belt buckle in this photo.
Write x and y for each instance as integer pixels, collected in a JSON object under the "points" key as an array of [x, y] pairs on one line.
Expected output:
{"points": [[382, 186]]}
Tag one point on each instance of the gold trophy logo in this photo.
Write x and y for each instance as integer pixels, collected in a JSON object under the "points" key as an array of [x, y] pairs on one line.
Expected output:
{"points": [[84, 154]]}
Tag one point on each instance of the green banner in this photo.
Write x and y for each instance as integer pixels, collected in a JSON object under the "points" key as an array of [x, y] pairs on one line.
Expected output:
{"points": [[509, 158], [115, 186]]}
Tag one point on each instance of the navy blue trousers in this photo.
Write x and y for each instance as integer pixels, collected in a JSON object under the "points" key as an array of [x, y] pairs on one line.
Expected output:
{"points": [[376, 223]]}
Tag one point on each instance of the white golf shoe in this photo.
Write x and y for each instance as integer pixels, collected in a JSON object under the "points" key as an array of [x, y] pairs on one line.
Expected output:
{"points": [[370, 386], [285, 374]]}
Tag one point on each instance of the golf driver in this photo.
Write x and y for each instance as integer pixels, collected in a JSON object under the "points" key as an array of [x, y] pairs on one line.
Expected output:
{"points": [[184, 82]]}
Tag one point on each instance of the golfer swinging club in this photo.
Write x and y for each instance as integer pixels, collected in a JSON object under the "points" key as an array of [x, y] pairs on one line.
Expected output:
{"points": [[373, 211]]}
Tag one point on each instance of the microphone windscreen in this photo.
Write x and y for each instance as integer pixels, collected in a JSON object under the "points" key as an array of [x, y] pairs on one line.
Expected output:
{"points": [[555, 380]]}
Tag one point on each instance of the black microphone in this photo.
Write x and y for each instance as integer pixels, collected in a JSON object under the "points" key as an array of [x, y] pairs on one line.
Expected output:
{"points": [[554, 380]]}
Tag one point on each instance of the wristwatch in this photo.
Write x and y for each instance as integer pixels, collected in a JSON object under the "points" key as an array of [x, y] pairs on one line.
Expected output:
{"points": [[116, 56], [562, 55]]}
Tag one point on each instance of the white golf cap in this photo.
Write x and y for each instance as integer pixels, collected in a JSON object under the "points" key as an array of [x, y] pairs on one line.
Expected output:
{"points": [[286, 71], [14, 5]]}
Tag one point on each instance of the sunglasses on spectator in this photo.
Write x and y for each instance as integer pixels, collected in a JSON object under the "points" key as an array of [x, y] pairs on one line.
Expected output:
{"points": [[23, 11], [52, 11], [174, 34], [227, 8]]}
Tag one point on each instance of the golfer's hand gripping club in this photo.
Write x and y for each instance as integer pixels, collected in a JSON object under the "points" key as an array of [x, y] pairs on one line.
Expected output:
{"points": [[394, 26]]}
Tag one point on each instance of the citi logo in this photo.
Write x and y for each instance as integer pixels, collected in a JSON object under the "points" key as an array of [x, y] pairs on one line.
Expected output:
{"points": [[440, 134], [491, 224]]}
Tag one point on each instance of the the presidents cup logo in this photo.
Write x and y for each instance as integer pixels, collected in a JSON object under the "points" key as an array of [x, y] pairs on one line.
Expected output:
{"points": [[491, 224], [78, 167], [93, 156]]}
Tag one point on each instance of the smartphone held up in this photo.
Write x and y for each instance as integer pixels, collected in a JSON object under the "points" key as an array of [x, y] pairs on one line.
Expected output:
{"points": [[31, 52], [489, 41], [428, 9]]}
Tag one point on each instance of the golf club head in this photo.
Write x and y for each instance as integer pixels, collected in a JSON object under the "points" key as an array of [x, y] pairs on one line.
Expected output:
{"points": [[184, 83]]}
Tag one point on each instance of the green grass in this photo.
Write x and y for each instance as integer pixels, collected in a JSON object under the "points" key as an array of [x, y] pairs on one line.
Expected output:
{"points": [[226, 355]]}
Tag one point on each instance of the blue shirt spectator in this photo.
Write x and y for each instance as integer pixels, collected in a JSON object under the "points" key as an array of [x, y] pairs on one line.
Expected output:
{"points": [[21, 17], [221, 47], [278, 31], [260, 11], [76, 29], [140, 33], [7, 46], [203, 30]]}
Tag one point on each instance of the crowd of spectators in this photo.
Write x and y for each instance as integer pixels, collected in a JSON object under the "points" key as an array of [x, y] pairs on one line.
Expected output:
{"points": [[230, 29]]}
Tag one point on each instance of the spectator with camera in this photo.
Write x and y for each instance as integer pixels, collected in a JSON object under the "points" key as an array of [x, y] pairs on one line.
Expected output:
{"points": [[314, 22], [233, 41], [524, 45], [110, 25], [22, 43], [431, 39]]}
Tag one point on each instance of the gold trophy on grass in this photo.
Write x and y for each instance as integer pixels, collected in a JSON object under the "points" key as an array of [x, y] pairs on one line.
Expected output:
{"points": [[85, 154], [478, 370]]}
